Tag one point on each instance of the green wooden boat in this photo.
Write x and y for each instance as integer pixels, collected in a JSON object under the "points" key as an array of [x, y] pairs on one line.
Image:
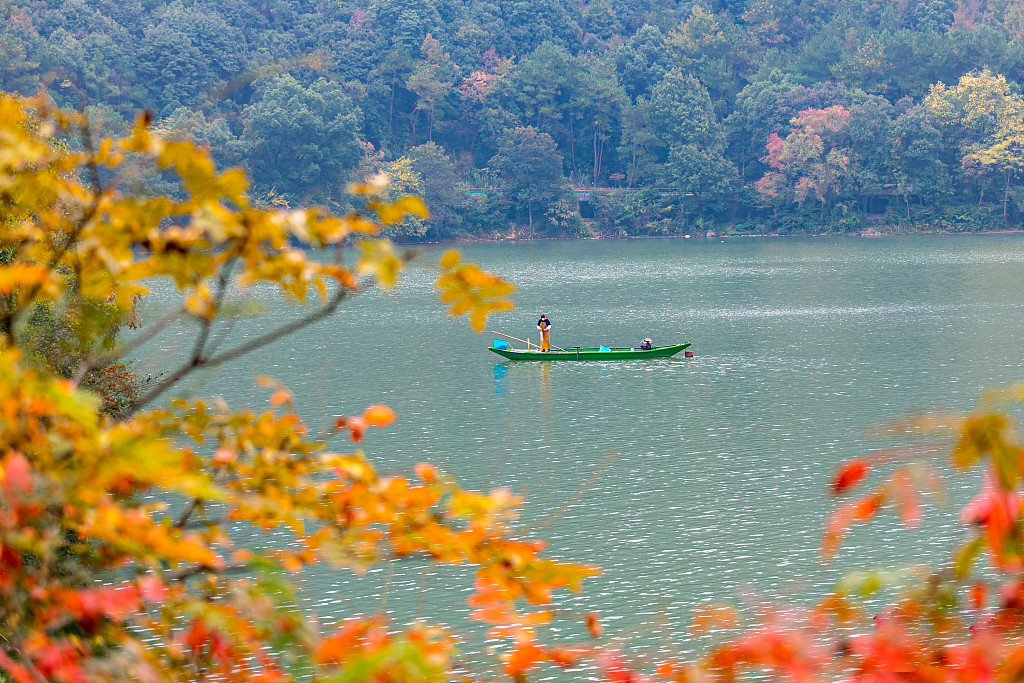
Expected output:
{"points": [[577, 353]]}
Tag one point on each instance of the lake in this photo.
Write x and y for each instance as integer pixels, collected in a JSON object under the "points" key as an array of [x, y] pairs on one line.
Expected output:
{"points": [[685, 480]]}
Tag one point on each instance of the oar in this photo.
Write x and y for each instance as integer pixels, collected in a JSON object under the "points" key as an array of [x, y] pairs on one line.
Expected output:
{"points": [[523, 340]]}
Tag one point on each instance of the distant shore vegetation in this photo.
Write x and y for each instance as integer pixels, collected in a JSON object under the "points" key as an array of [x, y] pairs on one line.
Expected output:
{"points": [[549, 118]]}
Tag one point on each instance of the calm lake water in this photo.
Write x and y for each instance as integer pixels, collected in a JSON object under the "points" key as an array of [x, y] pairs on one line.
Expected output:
{"points": [[684, 479]]}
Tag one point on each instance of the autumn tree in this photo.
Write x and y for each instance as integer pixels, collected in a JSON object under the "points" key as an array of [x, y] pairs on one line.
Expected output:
{"points": [[812, 161], [99, 579], [991, 117]]}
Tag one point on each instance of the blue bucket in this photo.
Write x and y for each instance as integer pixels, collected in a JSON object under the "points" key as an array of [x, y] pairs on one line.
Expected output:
{"points": [[499, 344], [604, 348]]}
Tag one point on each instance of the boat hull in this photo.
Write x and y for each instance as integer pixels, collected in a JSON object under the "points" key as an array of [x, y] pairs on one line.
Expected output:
{"points": [[592, 354]]}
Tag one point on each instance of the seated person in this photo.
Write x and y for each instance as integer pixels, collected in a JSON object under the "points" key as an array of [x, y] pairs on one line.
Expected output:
{"points": [[646, 345]]}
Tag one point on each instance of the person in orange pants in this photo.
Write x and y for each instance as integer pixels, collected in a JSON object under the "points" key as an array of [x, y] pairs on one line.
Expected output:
{"points": [[545, 337]]}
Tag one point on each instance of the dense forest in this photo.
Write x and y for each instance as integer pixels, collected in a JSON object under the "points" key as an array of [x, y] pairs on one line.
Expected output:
{"points": [[553, 117]]}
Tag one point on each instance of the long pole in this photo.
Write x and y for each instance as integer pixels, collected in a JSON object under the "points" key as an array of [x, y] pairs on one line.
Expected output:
{"points": [[528, 344], [507, 336]]}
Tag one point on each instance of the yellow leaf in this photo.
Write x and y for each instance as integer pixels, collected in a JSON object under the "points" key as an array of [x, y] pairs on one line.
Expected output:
{"points": [[450, 259]]}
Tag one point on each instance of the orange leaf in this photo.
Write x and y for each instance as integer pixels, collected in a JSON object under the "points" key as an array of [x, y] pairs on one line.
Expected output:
{"points": [[711, 615], [849, 475], [378, 416], [426, 472], [976, 595], [524, 656], [593, 625]]}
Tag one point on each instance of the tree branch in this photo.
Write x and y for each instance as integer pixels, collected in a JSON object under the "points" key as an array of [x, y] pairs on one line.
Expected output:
{"points": [[139, 340], [197, 362]]}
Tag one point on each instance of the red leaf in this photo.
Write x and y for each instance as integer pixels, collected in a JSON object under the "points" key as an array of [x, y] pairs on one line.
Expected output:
{"points": [[19, 673], [16, 473], [356, 427], [849, 475]]}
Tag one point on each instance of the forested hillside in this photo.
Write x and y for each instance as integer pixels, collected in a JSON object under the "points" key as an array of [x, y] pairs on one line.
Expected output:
{"points": [[676, 117]]}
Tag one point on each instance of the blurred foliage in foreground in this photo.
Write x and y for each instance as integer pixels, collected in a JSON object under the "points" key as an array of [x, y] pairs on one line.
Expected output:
{"points": [[97, 584]]}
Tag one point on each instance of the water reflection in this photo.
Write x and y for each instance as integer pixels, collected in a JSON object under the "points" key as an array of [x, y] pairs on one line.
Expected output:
{"points": [[546, 413], [500, 381]]}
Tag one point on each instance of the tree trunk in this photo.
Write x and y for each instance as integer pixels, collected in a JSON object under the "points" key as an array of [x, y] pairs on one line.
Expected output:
{"points": [[1006, 194], [430, 126], [572, 148], [530, 209], [632, 169], [597, 160], [391, 111]]}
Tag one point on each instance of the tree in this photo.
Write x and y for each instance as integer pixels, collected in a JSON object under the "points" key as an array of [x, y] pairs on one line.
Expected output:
{"points": [[637, 139], [811, 161], [866, 64], [766, 106], [533, 22], [530, 168], [915, 163], [173, 70], [440, 187], [542, 86], [393, 71], [691, 136], [599, 20], [642, 61], [700, 46], [681, 112], [304, 141], [868, 130], [985, 111], [404, 23], [599, 101], [432, 79], [479, 108], [18, 41]]}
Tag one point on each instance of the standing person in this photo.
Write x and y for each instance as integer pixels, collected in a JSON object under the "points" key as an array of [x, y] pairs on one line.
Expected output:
{"points": [[545, 337]]}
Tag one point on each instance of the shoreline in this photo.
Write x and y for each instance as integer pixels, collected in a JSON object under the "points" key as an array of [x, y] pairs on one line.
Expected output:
{"points": [[868, 234]]}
